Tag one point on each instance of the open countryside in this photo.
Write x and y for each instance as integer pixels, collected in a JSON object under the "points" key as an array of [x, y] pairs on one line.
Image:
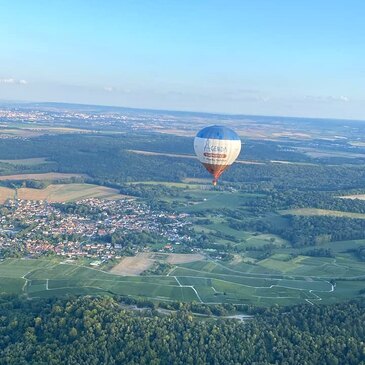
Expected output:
{"points": [[61, 193], [182, 182], [273, 232], [41, 177], [327, 212], [286, 275], [204, 281], [194, 196]]}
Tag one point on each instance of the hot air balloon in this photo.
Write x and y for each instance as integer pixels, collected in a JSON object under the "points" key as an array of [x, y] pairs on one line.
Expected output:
{"points": [[217, 147]]}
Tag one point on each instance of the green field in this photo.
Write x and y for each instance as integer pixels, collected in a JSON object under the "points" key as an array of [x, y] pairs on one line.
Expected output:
{"points": [[210, 199], [270, 281], [198, 197], [168, 184], [61, 193], [315, 211], [42, 278]]}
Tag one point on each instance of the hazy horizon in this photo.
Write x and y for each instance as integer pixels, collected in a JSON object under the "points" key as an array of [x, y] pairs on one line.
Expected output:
{"points": [[20, 102]]}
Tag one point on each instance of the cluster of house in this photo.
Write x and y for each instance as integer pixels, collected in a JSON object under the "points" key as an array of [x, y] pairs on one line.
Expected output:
{"points": [[21, 115], [84, 228], [34, 115], [96, 120]]}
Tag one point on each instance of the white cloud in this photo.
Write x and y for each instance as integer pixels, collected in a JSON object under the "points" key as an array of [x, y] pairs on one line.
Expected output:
{"points": [[340, 98], [7, 81], [113, 89], [12, 81]]}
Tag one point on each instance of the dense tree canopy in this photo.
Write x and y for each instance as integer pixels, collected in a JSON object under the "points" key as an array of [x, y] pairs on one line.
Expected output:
{"points": [[98, 331], [110, 158]]}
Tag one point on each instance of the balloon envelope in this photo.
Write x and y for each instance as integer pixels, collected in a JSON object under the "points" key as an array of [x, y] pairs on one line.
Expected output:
{"points": [[217, 147]]}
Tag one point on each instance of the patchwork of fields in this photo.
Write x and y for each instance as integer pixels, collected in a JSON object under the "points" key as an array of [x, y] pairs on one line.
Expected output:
{"points": [[285, 277], [261, 268], [271, 281]]}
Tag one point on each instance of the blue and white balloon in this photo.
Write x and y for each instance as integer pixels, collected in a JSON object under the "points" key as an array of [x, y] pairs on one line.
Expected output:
{"points": [[217, 147]]}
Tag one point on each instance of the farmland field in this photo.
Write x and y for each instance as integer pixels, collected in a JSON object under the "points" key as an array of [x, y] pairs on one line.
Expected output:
{"points": [[176, 259], [204, 281], [133, 265], [31, 132], [314, 212], [354, 196], [61, 193], [168, 184], [285, 277], [44, 176], [6, 193]]}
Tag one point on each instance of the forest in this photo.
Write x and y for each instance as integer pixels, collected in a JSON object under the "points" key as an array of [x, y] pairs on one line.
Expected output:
{"points": [[89, 330], [109, 159], [307, 231]]}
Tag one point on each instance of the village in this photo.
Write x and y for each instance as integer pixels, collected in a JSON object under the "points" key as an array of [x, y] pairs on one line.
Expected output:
{"points": [[81, 121], [87, 228]]}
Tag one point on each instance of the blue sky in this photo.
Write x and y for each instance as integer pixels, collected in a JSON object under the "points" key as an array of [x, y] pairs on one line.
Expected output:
{"points": [[273, 57]]}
